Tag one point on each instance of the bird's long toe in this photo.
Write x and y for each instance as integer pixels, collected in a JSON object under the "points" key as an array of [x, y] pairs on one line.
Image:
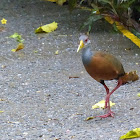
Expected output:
{"points": [[109, 114]]}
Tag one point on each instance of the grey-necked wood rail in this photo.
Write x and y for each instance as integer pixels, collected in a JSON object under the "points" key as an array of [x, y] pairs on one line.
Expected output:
{"points": [[103, 66]]}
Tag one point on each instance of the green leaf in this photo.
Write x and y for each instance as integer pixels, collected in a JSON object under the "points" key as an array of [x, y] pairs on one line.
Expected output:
{"points": [[135, 32], [105, 1], [72, 4], [126, 4], [138, 8], [17, 37], [135, 133], [115, 28], [91, 20]]}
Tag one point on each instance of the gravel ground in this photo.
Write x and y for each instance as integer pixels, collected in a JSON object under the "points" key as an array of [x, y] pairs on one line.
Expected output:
{"points": [[38, 100]]}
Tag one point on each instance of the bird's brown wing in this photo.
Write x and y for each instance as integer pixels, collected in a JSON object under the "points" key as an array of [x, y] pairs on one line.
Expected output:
{"points": [[104, 66]]}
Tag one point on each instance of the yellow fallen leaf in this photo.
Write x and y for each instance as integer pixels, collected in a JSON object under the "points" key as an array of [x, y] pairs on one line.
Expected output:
{"points": [[1, 111], [101, 104], [123, 30], [138, 94], [2, 100], [135, 133], [19, 47], [59, 2], [52, 0], [35, 51], [47, 28], [89, 118], [57, 52]]}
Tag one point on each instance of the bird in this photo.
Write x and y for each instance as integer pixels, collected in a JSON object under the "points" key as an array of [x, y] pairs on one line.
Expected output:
{"points": [[102, 67]]}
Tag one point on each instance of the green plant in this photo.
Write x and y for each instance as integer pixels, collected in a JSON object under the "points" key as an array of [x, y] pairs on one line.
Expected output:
{"points": [[118, 10]]}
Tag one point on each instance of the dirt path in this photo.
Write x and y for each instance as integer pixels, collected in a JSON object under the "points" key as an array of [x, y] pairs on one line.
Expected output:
{"points": [[39, 100]]}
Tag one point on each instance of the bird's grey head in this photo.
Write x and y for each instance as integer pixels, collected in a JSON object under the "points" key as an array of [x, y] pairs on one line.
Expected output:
{"points": [[85, 39]]}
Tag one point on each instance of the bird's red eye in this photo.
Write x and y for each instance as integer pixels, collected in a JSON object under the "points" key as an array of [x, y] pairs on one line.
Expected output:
{"points": [[86, 40]]}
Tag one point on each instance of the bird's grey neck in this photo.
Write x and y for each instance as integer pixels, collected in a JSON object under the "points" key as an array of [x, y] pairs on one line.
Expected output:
{"points": [[86, 55]]}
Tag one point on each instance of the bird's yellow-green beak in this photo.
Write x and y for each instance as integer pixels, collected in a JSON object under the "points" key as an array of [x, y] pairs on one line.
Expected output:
{"points": [[81, 45]]}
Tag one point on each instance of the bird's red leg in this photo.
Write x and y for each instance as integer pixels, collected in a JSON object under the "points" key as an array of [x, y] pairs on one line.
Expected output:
{"points": [[107, 91], [110, 113]]}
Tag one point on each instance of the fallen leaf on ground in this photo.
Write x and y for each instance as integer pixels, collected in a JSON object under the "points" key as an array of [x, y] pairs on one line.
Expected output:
{"points": [[35, 51], [77, 94], [19, 47], [131, 108], [127, 49], [52, 0], [101, 104], [89, 118], [47, 28], [73, 77], [15, 35], [59, 2], [13, 122], [57, 52], [3, 66], [2, 29], [138, 94], [1, 111], [135, 133], [18, 37]]}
